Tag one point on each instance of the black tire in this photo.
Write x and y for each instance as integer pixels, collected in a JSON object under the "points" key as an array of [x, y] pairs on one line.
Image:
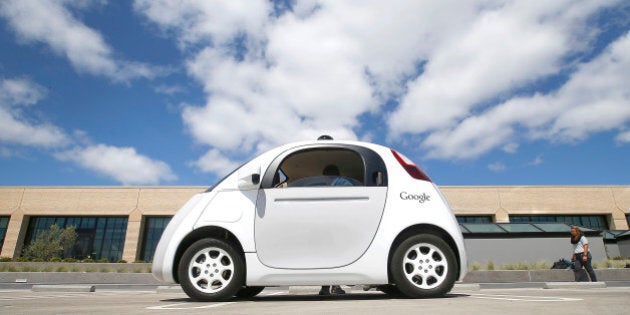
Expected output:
{"points": [[211, 270], [423, 266], [248, 292]]}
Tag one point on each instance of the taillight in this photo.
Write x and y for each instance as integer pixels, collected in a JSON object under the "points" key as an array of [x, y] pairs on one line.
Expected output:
{"points": [[411, 168]]}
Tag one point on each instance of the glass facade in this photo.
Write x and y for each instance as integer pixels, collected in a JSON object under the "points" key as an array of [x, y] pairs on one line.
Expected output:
{"points": [[153, 229], [474, 219], [4, 223], [97, 237], [595, 222]]}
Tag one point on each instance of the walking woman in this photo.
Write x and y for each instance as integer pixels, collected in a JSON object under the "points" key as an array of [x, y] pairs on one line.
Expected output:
{"points": [[581, 256]]}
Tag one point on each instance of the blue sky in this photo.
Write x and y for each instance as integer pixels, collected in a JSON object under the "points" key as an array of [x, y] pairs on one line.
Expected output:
{"points": [[181, 92]]}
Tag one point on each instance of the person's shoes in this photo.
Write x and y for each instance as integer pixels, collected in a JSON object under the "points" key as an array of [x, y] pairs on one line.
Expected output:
{"points": [[337, 290], [323, 291]]}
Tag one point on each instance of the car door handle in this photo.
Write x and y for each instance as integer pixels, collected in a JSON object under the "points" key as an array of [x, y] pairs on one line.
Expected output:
{"points": [[322, 199]]}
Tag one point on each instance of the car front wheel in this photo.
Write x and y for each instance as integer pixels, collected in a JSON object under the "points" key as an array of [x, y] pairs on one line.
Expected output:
{"points": [[423, 266], [211, 270]]}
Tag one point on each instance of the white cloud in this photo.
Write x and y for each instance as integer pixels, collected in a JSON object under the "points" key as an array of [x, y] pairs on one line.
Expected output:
{"points": [[623, 137], [122, 164], [52, 23], [14, 92], [537, 161], [214, 162], [208, 21], [511, 147], [317, 69], [596, 98], [15, 126], [497, 167]]}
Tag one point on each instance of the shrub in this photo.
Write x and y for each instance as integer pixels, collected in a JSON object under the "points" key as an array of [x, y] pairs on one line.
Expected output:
{"points": [[121, 261], [38, 259], [88, 260], [51, 243], [490, 265], [475, 266], [139, 261], [5, 259], [69, 260], [21, 259], [103, 260], [90, 269]]}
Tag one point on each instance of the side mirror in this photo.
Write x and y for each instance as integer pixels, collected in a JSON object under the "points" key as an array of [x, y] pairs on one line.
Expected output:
{"points": [[249, 178]]}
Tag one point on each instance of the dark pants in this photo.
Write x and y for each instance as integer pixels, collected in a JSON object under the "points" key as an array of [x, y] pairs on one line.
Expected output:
{"points": [[580, 266]]}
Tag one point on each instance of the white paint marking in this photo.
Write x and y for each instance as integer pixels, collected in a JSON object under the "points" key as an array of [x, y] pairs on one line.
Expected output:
{"points": [[523, 298], [189, 307]]}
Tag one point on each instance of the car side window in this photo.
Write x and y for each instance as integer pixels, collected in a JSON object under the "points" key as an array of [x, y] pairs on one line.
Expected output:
{"points": [[321, 167]]}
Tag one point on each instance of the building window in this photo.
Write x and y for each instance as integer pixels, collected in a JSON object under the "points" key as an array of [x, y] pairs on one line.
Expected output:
{"points": [[595, 222], [97, 237], [474, 219], [4, 223], [153, 229], [628, 219]]}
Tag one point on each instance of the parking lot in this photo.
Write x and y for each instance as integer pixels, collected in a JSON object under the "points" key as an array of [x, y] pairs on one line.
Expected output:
{"points": [[281, 301]]}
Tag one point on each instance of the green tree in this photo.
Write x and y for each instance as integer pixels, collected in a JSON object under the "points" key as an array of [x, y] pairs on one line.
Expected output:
{"points": [[50, 243]]}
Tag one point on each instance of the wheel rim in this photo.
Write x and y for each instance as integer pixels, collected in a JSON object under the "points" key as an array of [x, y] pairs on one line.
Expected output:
{"points": [[211, 270], [425, 266]]}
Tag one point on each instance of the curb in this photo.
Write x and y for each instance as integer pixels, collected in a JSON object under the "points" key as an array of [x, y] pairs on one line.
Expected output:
{"points": [[63, 288], [574, 285]]}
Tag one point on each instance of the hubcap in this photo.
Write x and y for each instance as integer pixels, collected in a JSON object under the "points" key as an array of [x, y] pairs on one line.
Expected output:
{"points": [[425, 266], [211, 270]]}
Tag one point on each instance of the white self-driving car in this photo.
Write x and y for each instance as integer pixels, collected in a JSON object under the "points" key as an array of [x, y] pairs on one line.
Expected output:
{"points": [[315, 213]]}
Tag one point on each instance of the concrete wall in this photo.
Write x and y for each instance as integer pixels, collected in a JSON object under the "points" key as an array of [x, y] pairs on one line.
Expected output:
{"points": [[530, 250], [624, 247]]}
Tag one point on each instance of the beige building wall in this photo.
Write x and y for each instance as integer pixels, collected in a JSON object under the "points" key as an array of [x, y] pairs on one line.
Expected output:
{"points": [[137, 203]]}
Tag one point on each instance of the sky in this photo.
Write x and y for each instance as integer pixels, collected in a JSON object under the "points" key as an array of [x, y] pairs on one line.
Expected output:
{"points": [[179, 93]]}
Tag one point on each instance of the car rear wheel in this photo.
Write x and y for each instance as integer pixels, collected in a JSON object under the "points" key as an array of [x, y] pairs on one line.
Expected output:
{"points": [[423, 266], [211, 270]]}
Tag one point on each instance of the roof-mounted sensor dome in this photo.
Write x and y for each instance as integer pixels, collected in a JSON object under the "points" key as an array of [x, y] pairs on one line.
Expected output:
{"points": [[324, 137]]}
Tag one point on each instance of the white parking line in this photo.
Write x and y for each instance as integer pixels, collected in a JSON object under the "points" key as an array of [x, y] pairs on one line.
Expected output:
{"points": [[189, 307], [29, 296], [180, 306], [524, 298], [38, 297]]}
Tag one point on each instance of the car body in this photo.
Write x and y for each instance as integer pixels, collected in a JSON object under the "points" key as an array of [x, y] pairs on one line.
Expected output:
{"points": [[278, 220]]}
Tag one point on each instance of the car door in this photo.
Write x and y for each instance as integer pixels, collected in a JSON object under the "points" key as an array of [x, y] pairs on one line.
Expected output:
{"points": [[305, 221]]}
